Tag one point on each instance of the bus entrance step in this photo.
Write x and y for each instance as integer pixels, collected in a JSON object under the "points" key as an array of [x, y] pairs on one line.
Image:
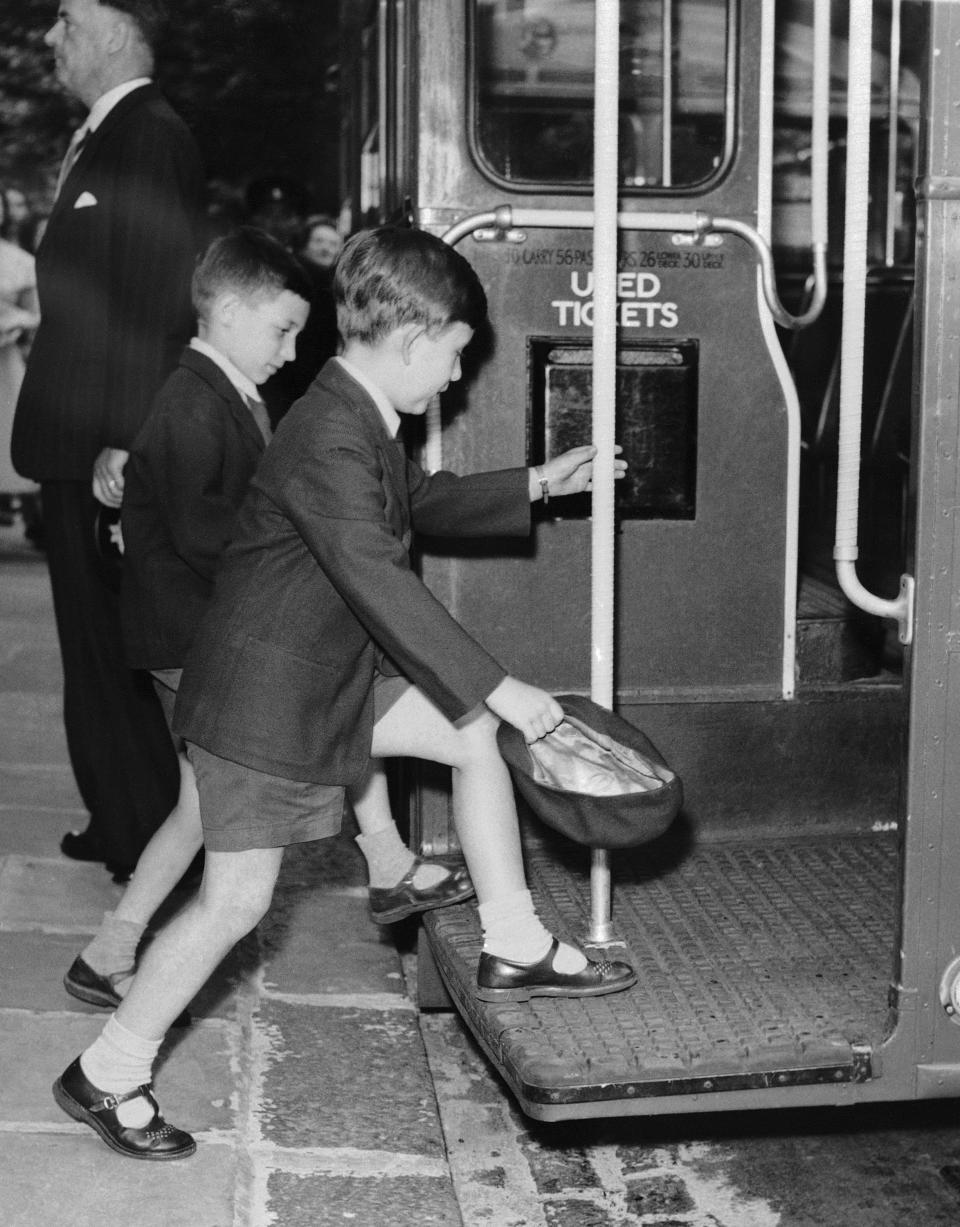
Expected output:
{"points": [[762, 966], [835, 641]]}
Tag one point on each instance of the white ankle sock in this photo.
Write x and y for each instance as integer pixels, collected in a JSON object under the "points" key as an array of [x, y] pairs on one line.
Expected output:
{"points": [[389, 859], [115, 946], [513, 930], [118, 1061]]}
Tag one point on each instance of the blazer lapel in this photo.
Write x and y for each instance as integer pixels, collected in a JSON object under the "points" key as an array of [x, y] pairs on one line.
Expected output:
{"points": [[390, 450], [208, 371]]}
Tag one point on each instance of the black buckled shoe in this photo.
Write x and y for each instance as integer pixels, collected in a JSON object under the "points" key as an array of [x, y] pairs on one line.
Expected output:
{"points": [[79, 1098], [82, 982], [391, 903], [501, 980]]}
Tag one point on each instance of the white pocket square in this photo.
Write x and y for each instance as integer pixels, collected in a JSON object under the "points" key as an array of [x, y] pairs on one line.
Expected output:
{"points": [[85, 200]]}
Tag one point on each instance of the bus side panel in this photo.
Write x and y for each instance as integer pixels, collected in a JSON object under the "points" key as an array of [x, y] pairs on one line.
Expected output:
{"points": [[700, 596]]}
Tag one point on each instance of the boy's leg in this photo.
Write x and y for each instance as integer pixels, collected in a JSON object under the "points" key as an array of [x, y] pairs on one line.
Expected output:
{"points": [[483, 805], [400, 884], [169, 854], [102, 972], [234, 895], [520, 957]]}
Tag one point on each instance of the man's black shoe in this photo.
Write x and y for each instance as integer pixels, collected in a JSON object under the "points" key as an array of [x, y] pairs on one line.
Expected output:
{"points": [[79, 1098], [501, 980], [82, 982], [80, 846]]}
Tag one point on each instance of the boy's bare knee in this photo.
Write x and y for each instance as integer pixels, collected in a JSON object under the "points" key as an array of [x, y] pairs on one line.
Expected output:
{"points": [[477, 739], [235, 915], [237, 891]]}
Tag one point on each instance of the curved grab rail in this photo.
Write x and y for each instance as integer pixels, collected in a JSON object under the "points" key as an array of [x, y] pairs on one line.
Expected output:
{"points": [[699, 224], [730, 225]]}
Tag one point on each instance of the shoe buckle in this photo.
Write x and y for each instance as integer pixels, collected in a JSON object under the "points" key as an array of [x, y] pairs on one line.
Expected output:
{"points": [[110, 1103]]}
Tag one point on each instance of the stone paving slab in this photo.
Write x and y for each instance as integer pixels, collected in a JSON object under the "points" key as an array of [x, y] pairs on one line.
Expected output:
{"points": [[31, 728], [196, 1077], [329, 1201], [32, 966], [21, 665], [369, 1086], [27, 586], [36, 830], [79, 1183], [326, 944], [63, 895]]}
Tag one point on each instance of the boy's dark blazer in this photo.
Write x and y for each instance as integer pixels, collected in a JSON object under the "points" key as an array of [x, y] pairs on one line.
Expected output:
{"points": [[188, 472], [113, 279], [317, 587]]}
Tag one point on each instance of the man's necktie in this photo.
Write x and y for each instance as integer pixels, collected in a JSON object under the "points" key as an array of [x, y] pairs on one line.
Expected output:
{"points": [[69, 158], [260, 416]]}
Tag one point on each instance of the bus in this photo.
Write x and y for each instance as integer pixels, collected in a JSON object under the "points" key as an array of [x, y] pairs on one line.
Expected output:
{"points": [[716, 233]]}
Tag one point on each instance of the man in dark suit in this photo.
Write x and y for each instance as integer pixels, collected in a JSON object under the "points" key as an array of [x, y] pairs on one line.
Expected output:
{"points": [[113, 275]]}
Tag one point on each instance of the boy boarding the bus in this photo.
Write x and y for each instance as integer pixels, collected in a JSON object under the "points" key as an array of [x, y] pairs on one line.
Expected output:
{"points": [[322, 650], [187, 474]]}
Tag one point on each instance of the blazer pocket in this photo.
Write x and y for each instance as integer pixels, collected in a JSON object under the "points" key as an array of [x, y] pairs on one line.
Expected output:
{"points": [[279, 703]]}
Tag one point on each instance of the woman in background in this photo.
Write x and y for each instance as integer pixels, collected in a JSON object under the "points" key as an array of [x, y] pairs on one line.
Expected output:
{"points": [[19, 317]]}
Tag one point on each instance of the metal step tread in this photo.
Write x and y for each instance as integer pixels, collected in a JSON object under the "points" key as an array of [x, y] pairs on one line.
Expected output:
{"points": [[753, 959]]}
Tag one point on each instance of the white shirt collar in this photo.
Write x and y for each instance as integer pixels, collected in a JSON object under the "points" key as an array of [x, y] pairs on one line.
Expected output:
{"points": [[391, 419], [246, 387], [106, 102]]}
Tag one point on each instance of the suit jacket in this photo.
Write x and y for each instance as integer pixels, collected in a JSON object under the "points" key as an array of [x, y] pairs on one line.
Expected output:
{"points": [[188, 471], [113, 276], [317, 581]]}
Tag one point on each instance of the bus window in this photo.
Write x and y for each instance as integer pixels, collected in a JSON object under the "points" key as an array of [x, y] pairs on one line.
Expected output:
{"points": [[534, 88]]}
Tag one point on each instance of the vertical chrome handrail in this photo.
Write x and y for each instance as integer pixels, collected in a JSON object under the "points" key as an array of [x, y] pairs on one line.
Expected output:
{"points": [[845, 552], [893, 142], [666, 104], [606, 185]]}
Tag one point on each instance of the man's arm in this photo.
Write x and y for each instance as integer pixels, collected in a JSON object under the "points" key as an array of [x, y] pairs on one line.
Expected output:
{"points": [[155, 207]]}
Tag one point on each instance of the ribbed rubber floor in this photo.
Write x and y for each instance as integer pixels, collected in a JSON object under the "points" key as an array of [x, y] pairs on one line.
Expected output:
{"points": [[752, 958]]}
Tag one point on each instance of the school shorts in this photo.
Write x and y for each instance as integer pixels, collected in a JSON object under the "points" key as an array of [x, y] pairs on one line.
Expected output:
{"points": [[242, 808]]}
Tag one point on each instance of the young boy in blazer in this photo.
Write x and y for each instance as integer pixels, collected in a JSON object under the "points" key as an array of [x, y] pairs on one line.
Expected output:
{"points": [[323, 651], [188, 471]]}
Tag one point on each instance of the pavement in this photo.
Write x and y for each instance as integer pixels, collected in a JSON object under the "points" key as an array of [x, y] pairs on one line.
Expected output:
{"points": [[303, 1076], [318, 1095]]}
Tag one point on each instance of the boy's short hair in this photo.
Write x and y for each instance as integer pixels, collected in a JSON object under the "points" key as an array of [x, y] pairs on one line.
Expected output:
{"points": [[248, 262], [393, 276]]}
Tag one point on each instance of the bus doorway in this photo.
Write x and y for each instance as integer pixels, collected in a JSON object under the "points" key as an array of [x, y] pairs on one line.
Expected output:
{"points": [[787, 952]]}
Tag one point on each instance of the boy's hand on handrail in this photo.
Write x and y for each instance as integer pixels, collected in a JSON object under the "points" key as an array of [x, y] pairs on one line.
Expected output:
{"points": [[528, 708], [570, 473]]}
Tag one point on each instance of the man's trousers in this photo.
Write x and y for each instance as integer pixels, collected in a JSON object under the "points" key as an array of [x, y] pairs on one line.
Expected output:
{"points": [[120, 748]]}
